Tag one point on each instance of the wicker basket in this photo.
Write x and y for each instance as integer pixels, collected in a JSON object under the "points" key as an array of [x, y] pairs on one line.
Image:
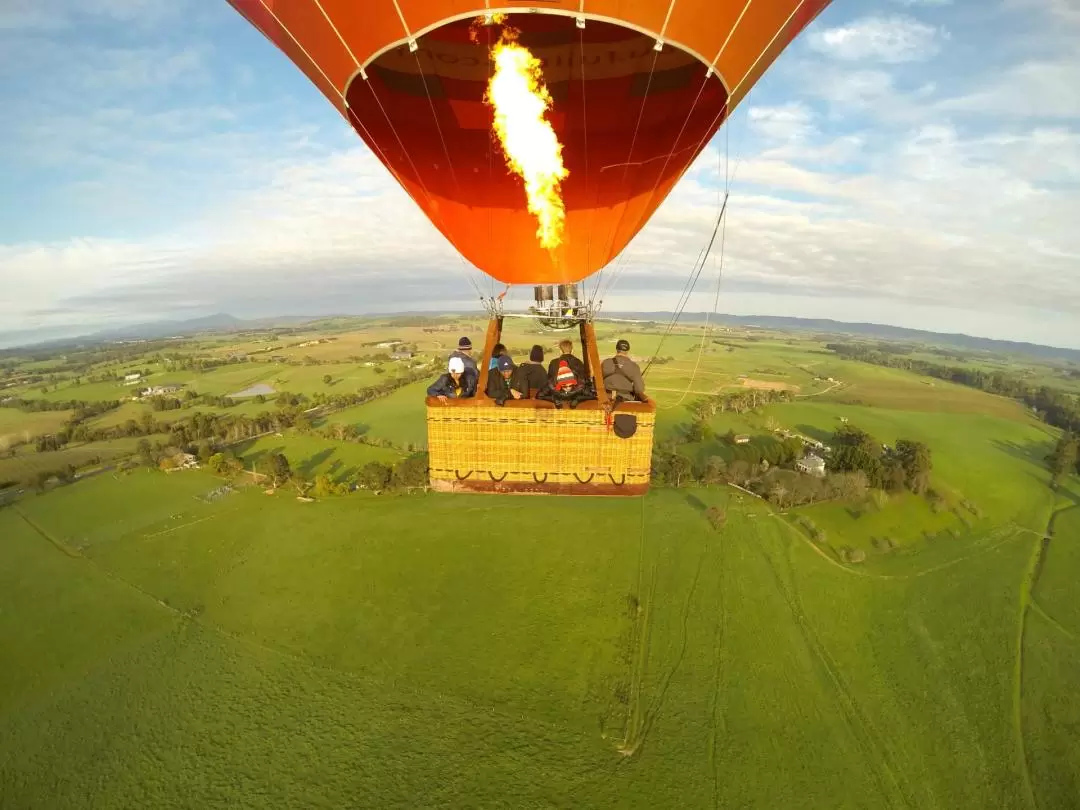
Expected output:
{"points": [[531, 447]]}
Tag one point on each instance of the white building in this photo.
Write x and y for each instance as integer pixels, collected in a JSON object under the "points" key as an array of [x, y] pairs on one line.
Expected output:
{"points": [[131, 379], [811, 465]]}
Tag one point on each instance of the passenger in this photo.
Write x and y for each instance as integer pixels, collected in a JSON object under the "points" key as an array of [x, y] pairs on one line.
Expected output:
{"points": [[496, 353], [575, 366], [464, 351], [498, 385], [530, 378], [458, 382], [622, 376]]}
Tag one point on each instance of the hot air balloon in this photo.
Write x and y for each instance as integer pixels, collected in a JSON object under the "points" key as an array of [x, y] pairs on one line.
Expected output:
{"points": [[631, 93]]}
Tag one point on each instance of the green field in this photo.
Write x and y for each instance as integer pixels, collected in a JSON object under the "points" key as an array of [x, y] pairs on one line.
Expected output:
{"points": [[168, 643], [258, 650]]}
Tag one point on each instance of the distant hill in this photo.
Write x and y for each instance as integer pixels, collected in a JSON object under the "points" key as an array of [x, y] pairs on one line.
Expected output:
{"points": [[872, 330], [223, 322]]}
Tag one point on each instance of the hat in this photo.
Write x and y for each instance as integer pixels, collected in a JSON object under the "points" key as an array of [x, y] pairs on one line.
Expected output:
{"points": [[504, 363], [464, 343], [537, 354], [622, 346], [456, 365]]}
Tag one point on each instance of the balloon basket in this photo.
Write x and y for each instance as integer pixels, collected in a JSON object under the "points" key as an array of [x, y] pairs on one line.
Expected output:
{"points": [[530, 447]]}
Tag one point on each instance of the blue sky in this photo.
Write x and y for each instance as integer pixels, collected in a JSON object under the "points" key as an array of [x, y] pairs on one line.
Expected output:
{"points": [[912, 162]]}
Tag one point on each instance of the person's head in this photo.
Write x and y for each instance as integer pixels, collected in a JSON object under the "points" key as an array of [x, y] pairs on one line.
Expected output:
{"points": [[456, 367], [505, 366], [566, 346], [499, 350], [622, 346], [537, 354], [464, 345]]}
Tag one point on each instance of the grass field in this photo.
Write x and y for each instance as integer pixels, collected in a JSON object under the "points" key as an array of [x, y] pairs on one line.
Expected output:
{"points": [[399, 417], [258, 650], [26, 462], [16, 425]]}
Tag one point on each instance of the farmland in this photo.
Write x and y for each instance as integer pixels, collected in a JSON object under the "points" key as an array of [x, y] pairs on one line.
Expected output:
{"points": [[188, 639]]}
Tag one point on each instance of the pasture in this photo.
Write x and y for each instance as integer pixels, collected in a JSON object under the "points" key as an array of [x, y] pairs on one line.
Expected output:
{"points": [[253, 649]]}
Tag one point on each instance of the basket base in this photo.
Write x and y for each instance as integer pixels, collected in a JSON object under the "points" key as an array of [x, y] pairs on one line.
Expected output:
{"points": [[605, 489]]}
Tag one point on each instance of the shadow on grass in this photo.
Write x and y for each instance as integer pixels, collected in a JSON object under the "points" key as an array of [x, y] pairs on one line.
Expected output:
{"points": [[696, 503], [308, 466]]}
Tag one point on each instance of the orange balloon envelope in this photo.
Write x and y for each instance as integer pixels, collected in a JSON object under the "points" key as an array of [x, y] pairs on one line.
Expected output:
{"points": [[638, 88]]}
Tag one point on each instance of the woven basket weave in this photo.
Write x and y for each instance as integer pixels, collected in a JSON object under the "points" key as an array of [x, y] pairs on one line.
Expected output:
{"points": [[482, 448]]}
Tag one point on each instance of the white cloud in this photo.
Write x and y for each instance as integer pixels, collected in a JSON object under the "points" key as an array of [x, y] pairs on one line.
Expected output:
{"points": [[891, 39], [1043, 88]]}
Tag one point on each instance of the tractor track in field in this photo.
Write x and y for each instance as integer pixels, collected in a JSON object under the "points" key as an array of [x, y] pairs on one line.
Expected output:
{"points": [[866, 736], [652, 712], [1027, 604], [716, 715]]}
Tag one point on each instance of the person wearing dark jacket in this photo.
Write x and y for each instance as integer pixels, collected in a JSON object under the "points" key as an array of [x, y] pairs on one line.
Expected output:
{"points": [[496, 353], [464, 352], [622, 376], [530, 379], [566, 349], [457, 383], [498, 385]]}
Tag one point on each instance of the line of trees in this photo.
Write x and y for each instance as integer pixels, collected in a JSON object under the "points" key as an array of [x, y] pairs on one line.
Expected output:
{"points": [[1054, 406], [408, 474]]}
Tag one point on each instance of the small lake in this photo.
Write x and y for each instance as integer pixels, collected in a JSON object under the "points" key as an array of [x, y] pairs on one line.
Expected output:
{"points": [[254, 391]]}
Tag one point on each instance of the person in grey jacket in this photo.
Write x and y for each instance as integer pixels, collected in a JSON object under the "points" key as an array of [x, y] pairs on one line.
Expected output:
{"points": [[622, 376]]}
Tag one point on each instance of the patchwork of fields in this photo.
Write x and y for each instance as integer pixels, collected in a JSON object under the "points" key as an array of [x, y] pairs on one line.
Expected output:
{"points": [[172, 643]]}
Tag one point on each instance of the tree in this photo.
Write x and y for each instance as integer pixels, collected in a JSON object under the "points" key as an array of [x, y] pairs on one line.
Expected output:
{"points": [[411, 472], [216, 463], [717, 516], [327, 379], [146, 455], [375, 476], [915, 459], [1064, 457], [715, 469], [167, 463], [276, 468]]}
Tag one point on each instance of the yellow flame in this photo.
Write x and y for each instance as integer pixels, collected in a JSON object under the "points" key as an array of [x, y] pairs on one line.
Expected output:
{"points": [[520, 99]]}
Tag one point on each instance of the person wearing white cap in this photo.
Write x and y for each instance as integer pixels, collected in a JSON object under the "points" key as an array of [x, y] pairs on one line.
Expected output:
{"points": [[457, 383]]}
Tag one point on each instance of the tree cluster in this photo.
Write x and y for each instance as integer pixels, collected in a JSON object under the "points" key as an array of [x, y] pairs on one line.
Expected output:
{"points": [[907, 466]]}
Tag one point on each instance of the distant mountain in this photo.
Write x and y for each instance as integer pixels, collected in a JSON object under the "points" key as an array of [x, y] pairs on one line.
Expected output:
{"points": [[873, 330], [220, 322]]}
